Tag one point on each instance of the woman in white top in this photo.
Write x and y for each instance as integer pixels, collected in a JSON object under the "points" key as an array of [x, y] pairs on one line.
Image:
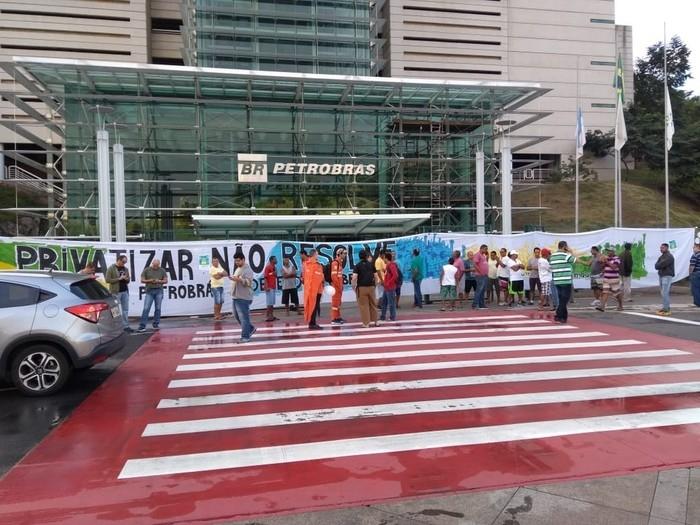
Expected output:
{"points": [[545, 272], [448, 284]]}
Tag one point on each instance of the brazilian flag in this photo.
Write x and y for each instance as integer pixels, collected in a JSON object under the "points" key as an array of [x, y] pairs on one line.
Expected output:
{"points": [[619, 80]]}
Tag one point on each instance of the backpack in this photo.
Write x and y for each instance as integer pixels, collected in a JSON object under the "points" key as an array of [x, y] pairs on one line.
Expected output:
{"points": [[327, 273]]}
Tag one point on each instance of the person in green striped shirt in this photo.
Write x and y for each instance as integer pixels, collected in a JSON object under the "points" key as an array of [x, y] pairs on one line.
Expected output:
{"points": [[562, 265]]}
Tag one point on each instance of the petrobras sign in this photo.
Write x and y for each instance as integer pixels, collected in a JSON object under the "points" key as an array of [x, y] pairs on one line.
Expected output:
{"points": [[252, 168], [310, 168]]}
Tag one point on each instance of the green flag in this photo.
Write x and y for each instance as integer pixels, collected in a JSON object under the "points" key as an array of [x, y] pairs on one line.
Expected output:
{"points": [[619, 81]]}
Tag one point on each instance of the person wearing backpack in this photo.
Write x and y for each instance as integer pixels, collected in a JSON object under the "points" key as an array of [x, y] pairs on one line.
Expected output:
{"points": [[391, 279], [336, 280]]}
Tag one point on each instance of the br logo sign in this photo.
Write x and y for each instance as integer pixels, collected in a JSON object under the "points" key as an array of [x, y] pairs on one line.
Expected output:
{"points": [[252, 168]]}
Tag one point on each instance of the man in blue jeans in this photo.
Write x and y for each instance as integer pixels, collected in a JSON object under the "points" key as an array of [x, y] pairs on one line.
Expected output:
{"points": [[117, 277], [242, 294], [216, 282], [481, 273], [694, 271], [417, 274], [154, 277], [665, 265]]}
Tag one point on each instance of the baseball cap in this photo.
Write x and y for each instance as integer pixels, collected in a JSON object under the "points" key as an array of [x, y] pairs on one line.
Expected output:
{"points": [[512, 252]]}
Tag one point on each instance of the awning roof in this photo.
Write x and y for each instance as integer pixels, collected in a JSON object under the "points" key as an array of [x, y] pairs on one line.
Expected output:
{"points": [[83, 79], [242, 226]]}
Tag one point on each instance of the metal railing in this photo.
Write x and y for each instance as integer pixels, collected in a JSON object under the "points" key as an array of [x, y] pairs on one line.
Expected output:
{"points": [[33, 182]]}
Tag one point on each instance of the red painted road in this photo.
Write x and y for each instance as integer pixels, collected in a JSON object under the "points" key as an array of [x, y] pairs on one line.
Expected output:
{"points": [[195, 428]]}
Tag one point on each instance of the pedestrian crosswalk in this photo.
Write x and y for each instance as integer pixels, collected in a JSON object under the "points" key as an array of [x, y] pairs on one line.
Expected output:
{"points": [[422, 384]]}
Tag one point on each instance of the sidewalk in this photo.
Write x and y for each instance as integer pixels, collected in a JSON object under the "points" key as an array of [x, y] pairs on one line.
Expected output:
{"points": [[670, 497]]}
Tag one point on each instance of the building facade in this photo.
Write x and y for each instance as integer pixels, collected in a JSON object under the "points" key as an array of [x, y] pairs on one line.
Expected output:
{"points": [[479, 72], [570, 47]]}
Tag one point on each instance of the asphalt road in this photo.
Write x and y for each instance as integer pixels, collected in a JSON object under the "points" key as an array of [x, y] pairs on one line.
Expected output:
{"points": [[25, 421]]}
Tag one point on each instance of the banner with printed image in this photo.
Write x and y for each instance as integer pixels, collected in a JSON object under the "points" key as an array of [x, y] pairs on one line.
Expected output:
{"points": [[188, 292]]}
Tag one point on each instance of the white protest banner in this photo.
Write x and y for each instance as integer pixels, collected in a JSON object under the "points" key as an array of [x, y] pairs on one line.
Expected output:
{"points": [[186, 263]]}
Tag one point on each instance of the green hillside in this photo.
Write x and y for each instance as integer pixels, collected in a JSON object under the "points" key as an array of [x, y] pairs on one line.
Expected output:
{"points": [[642, 207]]}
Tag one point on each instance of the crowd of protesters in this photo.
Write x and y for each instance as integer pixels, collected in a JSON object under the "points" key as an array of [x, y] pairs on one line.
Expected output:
{"points": [[494, 278]]}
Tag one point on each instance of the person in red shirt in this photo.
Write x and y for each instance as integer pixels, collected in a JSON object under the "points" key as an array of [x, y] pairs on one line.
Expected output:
{"points": [[270, 279], [391, 281], [313, 288], [337, 282]]}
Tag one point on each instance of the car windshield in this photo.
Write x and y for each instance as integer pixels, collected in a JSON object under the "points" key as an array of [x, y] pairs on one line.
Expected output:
{"points": [[89, 289]]}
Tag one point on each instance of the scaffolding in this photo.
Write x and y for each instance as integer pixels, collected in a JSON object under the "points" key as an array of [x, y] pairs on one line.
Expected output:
{"points": [[182, 129]]}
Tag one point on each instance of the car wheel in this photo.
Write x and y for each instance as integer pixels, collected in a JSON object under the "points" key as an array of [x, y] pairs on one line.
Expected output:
{"points": [[39, 370]]}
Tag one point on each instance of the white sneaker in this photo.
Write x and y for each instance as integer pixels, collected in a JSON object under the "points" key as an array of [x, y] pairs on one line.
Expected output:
{"points": [[595, 302]]}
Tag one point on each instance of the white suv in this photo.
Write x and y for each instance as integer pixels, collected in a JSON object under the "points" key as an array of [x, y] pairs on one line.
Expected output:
{"points": [[51, 323]]}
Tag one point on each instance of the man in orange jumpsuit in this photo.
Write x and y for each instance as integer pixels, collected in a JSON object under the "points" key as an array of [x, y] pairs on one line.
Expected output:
{"points": [[313, 288], [337, 281]]}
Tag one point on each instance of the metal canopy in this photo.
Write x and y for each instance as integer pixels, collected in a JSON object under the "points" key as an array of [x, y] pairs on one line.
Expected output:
{"points": [[309, 225], [81, 79]]}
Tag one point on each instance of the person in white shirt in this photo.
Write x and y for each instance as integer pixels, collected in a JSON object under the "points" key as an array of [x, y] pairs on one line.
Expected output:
{"points": [[517, 278], [216, 280], [289, 286], [545, 272], [448, 285], [503, 275]]}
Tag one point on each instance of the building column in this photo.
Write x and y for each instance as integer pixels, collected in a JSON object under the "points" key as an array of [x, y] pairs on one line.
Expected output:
{"points": [[480, 192], [2, 162], [103, 189], [119, 194], [506, 186]]}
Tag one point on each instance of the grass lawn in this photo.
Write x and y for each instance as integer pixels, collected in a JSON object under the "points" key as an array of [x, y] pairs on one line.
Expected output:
{"points": [[642, 207]]}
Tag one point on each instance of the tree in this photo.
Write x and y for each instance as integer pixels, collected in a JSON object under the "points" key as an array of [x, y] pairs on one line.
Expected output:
{"points": [[599, 144], [649, 74], [645, 118]]}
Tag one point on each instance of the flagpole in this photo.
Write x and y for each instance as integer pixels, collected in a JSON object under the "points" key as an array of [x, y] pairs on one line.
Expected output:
{"points": [[617, 152], [578, 108], [617, 189], [619, 179], [619, 185], [617, 195], [666, 102], [576, 198]]}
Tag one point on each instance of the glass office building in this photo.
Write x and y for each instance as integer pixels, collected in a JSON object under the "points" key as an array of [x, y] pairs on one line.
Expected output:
{"points": [[305, 36], [292, 80]]}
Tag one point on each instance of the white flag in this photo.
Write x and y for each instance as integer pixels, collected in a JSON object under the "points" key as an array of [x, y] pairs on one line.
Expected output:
{"points": [[580, 134], [670, 128], [620, 128]]}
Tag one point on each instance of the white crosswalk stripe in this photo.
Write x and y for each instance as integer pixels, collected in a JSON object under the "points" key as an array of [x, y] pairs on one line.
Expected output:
{"points": [[352, 328], [218, 365], [412, 367], [424, 383], [364, 338], [414, 407], [409, 323], [375, 335], [273, 455]]}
